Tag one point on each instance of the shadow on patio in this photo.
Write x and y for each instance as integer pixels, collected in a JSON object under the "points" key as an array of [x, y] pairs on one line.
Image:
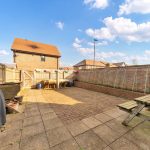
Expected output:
{"points": [[72, 119]]}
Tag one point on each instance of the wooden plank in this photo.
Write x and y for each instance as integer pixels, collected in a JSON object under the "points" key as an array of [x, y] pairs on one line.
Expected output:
{"points": [[143, 97], [128, 105]]}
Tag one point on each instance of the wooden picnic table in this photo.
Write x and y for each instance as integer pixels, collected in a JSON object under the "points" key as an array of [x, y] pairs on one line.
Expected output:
{"points": [[139, 107]]}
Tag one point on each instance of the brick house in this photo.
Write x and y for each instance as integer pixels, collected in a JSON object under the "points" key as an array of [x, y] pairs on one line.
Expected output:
{"points": [[29, 55], [90, 64]]}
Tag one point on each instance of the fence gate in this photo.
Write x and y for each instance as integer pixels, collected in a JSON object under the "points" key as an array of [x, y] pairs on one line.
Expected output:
{"points": [[27, 78]]}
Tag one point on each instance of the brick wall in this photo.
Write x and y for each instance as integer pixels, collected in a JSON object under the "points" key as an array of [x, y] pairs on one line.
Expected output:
{"points": [[109, 90], [31, 62], [134, 78]]}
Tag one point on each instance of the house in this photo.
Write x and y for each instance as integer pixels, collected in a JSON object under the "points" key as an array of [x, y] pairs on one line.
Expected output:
{"points": [[120, 64], [29, 55], [90, 64]]}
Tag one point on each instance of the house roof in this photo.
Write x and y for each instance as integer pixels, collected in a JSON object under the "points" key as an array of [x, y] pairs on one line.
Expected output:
{"points": [[27, 46], [88, 62], [120, 64]]}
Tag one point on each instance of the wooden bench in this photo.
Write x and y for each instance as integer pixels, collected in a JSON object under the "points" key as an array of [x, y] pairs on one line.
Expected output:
{"points": [[138, 107]]}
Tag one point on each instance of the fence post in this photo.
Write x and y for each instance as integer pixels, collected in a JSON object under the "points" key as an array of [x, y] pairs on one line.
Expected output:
{"points": [[146, 78], [57, 78]]}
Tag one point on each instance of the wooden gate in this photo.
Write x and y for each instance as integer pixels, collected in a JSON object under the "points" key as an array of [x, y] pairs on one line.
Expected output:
{"points": [[27, 78]]}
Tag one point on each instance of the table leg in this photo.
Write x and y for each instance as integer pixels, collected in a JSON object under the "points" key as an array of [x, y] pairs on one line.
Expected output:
{"points": [[133, 114]]}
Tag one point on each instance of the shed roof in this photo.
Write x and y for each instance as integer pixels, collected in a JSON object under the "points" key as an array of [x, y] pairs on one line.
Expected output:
{"points": [[27, 46]]}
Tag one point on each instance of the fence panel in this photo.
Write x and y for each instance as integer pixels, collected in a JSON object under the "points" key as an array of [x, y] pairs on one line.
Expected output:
{"points": [[135, 78]]}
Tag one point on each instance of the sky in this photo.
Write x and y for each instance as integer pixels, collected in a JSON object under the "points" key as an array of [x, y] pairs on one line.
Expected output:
{"points": [[122, 28]]}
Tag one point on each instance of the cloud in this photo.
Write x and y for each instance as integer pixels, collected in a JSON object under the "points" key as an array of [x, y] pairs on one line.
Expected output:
{"points": [[77, 43], [60, 25], [99, 4], [102, 33], [134, 6], [122, 28], [3, 53]]}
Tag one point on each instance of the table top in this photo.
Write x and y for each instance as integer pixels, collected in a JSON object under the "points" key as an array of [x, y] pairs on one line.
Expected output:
{"points": [[143, 100]]}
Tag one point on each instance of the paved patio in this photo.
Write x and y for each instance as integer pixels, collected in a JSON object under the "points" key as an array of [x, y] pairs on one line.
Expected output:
{"points": [[72, 119]]}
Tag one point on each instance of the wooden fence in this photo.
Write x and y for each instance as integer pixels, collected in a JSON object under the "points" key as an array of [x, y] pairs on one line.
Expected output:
{"points": [[9, 74], [135, 78], [31, 78]]}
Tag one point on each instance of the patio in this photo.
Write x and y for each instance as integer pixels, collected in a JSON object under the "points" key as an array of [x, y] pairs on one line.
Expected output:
{"points": [[73, 119]]}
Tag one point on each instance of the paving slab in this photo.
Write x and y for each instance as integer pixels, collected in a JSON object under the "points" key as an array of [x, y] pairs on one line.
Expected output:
{"points": [[46, 110], [103, 117], [123, 144], [14, 117], [48, 116], [116, 112], [9, 137], [140, 135], [30, 113], [134, 122], [32, 120], [32, 130], [118, 127], [52, 123], [77, 128], [58, 135], [106, 133], [91, 122], [14, 125], [70, 144], [107, 148], [14, 146], [37, 142], [90, 141]]}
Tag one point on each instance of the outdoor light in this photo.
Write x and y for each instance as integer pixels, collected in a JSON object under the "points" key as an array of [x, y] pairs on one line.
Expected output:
{"points": [[95, 40]]}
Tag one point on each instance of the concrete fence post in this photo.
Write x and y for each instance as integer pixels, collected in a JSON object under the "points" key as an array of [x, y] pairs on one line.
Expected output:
{"points": [[57, 78]]}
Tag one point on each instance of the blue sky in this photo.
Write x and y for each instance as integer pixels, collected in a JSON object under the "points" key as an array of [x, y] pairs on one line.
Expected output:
{"points": [[122, 28]]}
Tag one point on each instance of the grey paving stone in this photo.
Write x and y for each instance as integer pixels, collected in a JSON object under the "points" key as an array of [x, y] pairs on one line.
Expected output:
{"points": [[107, 148], [52, 123], [37, 142], [103, 117], [77, 128], [91, 122], [123, 144], [58, 135], [48, 116], [30, 113], [140, 135], [46, 110], [114, 112], [32, 120], [14, 117], [106, 133], [14, 125], [14, 146], [134, 122], [118, 127], [32, 130], [67, 145], [90, 141], [9, 137]]}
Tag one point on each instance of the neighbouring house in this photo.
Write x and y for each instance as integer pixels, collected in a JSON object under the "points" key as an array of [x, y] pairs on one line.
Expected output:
{"points": [[66, 68], [90, 64], [29, 55], [120, 64]]}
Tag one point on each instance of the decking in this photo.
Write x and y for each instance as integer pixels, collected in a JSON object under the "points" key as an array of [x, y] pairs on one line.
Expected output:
{"points": [[73, 119]]}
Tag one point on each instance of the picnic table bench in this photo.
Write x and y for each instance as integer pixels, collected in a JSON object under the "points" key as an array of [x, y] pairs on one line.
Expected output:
{"points": [[138, 107]]}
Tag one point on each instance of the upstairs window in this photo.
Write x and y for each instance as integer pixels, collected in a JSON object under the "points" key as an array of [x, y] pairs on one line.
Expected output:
{"points": [[42, 58]]}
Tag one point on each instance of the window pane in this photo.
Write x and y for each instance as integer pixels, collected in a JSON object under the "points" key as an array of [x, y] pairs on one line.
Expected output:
{"points": [[42, 58]]}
